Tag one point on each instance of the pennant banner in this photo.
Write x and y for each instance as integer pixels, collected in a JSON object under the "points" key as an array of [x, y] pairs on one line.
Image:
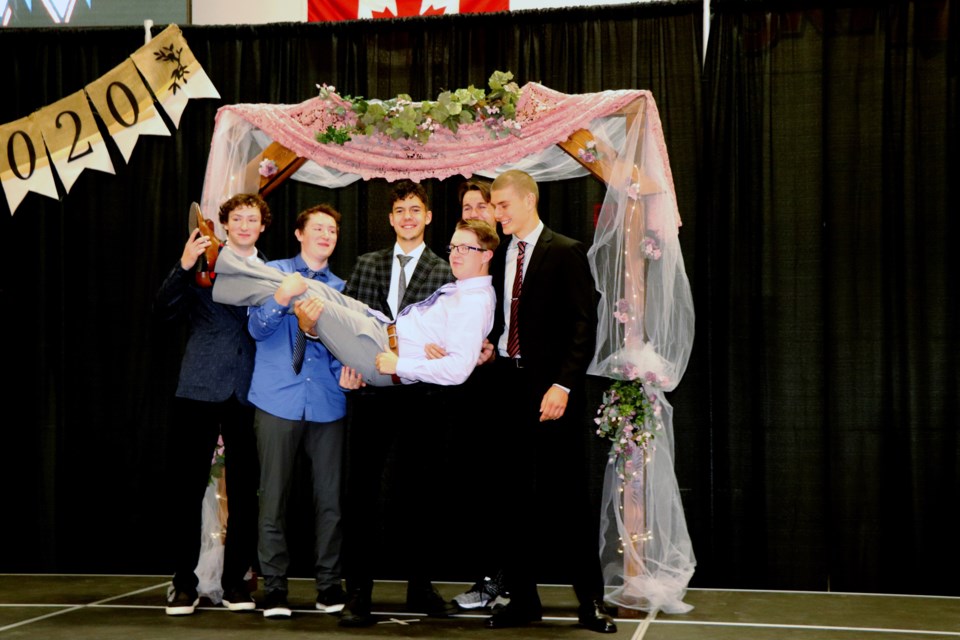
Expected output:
{"points": [[23, 161], [73, 138], [68, 132], [125, 104], [173, 73]]}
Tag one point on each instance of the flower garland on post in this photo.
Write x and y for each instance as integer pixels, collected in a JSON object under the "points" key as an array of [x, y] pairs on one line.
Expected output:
{"points": [[401, 117], [630, 417]]}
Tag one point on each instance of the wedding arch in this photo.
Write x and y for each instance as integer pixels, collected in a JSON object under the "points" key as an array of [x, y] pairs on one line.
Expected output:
{"points": [[645, 314]]}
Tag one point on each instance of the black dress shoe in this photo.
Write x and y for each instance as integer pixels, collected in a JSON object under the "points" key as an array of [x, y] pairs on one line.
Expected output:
{"points": [[425, 599], [594, 617], [513, 615], [356, 613]]}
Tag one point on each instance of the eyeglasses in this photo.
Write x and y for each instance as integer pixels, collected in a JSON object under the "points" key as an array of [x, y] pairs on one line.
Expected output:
{"points": [[462, 249]]}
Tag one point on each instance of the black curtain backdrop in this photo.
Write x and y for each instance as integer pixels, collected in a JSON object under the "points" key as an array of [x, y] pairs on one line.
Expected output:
{"points": [[814, 157]]}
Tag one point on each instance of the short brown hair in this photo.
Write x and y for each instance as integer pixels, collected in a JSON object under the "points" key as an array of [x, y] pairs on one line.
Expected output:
{"points": [[406, 188], [241, 200], [304, 216], [483, 186], [519, 180], [486, 235]]}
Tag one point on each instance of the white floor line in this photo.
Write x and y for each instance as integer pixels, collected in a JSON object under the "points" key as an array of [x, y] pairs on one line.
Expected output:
{"points": [[644, 625], [80, 606], [812, 627]]}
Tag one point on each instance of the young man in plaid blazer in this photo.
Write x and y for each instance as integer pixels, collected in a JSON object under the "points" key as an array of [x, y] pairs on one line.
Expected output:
{"points": [[388, 280]]}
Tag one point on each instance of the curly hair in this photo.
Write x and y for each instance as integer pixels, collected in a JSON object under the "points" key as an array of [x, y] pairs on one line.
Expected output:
{"points": [[247, 200]]}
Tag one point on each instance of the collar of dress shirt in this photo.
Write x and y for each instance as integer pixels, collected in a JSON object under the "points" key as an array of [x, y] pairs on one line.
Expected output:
{"points": [[531, 238], [476, 282], [415, 254], [300, 265]]}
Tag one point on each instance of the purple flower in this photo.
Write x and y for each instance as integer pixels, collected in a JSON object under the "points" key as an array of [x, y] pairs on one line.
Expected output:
{"points": [[268, 168], [586, 156]]}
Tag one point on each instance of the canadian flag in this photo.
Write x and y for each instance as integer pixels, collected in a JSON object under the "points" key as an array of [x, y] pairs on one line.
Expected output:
{"points": [[328, 10]]}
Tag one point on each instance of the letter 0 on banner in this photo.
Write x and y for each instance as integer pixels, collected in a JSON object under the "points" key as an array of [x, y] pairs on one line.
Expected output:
{"points": [[125, 104], [23, 162]]}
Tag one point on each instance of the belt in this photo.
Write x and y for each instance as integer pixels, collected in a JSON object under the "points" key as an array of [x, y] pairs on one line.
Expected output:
{"points": [[512, 363], [393, 343], [392, 339]]}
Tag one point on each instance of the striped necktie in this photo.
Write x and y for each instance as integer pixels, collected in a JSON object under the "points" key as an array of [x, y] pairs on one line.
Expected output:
{"points": [[513, 337]]}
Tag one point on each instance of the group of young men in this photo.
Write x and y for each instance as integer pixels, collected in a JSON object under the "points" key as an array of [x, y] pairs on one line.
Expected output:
{"points": [[274, 349]]}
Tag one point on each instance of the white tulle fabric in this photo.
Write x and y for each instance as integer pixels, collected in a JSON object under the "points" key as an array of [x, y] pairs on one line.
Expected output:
{"points": [[212, 531], [645, 316], [645, 330]]}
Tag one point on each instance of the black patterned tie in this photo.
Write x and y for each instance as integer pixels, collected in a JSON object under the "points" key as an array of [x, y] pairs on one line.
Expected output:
{"points": [[402, 289], [513, 337], [300, 340]]}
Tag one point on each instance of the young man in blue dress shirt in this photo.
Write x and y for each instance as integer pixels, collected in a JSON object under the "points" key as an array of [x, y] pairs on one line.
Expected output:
{"points": [[299, 404]]}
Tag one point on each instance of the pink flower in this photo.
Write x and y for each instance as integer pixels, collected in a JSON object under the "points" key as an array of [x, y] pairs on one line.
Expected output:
{"points": [[586, 156], [268, 168], [633, 191], [651, 249]]}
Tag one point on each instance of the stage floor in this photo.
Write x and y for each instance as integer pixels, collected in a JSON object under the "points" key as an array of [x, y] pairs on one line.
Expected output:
{"points": [[107, 607]]}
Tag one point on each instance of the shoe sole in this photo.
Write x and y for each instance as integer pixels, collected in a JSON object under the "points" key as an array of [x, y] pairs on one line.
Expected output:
{"points": [[471, 605], [277, 613], [329, 608], [183, 610], [240, 606]]}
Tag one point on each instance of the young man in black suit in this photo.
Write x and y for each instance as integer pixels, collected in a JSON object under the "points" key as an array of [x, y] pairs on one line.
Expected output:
{"points": [[543, 339], [382, 418]]}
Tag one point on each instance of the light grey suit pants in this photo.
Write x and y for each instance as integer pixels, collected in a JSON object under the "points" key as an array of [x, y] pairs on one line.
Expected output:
{"points": [[345, 327]]}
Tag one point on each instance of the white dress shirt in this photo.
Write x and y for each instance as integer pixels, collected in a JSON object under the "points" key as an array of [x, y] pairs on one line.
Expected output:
{"points": [[458, 321]]}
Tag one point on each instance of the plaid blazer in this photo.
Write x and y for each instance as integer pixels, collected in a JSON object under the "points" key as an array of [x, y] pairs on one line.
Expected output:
{"points": [[370, 281]]}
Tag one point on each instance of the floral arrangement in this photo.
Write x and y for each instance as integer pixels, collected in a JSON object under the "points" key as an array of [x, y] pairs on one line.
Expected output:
{"points": [[630, 417], [589, 153], [267, 168], [401, 117], [218, 462], [651, 246]]}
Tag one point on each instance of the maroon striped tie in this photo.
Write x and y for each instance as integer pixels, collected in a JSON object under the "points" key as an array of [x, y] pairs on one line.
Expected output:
{"points": [[513, 338]]}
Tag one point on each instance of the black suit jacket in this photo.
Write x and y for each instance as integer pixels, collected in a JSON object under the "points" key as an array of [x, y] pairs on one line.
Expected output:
{"points": [[557, 318], [370, 281]]}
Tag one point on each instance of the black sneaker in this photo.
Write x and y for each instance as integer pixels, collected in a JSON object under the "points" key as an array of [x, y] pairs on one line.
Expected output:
{"points": [[357, 612], [181, 603], [238, 599], [275, 606], [480, 595], [425, 599], [331, 599]]}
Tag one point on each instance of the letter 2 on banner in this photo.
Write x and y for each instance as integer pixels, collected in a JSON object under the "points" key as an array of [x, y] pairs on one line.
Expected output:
{"points": [[172, 72], [73, 139], [23, 162], [125, 105]]}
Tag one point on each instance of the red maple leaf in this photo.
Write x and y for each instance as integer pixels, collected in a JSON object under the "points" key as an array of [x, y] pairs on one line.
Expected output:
{"points": [[407, 8]]}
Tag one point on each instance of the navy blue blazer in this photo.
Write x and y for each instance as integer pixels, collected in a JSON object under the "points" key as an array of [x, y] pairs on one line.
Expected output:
{"points": [[218, 360]]}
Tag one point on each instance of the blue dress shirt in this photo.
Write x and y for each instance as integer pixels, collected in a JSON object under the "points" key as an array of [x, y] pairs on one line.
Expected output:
{"points": [[314, 394]]}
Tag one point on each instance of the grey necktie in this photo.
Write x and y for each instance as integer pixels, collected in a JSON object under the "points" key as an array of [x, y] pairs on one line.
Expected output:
{"points": [[402, 289]]}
